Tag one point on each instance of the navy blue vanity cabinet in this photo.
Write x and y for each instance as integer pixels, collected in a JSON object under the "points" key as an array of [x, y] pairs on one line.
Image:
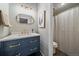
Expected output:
{"points": [[20, 47], [1, 49], [30, 45], [11, 48]]}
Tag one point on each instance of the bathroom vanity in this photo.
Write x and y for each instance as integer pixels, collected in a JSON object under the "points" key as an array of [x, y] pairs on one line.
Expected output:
{"points": [[20, 45]]}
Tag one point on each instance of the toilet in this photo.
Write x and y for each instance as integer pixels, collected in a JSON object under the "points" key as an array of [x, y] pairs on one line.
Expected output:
{"points": [[55, 45]]}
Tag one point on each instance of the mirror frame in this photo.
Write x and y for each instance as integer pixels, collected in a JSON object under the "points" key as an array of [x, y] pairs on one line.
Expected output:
{"points": [[25, 16]]}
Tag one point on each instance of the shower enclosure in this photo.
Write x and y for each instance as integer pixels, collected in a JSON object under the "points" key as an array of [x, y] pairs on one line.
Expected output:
{"points": [[67, 29]]}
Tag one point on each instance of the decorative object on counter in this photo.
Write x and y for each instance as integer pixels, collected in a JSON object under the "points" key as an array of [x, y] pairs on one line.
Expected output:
{"points": [[42, 19], [24, 19], [33, 31]]}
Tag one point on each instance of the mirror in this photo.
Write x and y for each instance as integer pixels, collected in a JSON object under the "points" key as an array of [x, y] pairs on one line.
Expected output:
{"points": [[24, 19]]}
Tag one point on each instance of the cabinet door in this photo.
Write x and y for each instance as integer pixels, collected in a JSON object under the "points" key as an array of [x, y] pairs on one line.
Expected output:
{"points": [[11, 48]]}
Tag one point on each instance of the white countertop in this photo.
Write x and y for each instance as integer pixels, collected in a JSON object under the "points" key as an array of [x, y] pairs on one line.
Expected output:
{"points": [[18, 36]]}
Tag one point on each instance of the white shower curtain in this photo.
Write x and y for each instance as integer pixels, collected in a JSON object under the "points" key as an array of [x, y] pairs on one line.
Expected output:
{"points": [[67, 31]]}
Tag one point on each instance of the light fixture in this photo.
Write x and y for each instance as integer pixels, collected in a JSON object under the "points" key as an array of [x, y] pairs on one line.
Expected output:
{"points": [[62, 4], [26, 7]]}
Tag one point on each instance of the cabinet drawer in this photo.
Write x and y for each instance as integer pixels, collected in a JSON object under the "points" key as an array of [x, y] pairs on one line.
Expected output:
{"points": [[11, 48], [31, 39], [34, 49], [29, 50], [28, 42], [12, 52], [24, 51], [34, 41], [11, 44]]}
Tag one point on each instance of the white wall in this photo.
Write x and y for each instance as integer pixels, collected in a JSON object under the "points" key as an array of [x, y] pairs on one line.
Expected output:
{"points": [[46, 34], [16, 9]]}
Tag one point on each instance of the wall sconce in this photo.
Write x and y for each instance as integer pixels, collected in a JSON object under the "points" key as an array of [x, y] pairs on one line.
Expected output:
{"points": [[26, 7]]}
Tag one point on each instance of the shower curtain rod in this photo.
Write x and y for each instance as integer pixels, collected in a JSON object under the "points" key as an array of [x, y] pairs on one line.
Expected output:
{"points": [[64, 8]]}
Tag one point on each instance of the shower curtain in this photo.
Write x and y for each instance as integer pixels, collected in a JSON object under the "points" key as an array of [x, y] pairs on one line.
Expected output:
{"points": [[67, 31]]}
